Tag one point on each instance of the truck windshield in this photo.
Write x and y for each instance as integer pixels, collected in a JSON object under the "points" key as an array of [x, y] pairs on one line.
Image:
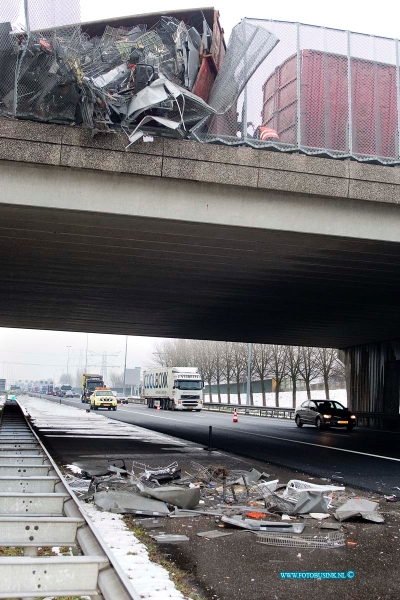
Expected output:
{"points": [[106, 393], [92, 385], [187, 384]]}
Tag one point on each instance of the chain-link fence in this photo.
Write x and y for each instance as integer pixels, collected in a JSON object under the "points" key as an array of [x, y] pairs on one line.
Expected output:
{"points": [[36, 75], [319, 90]]}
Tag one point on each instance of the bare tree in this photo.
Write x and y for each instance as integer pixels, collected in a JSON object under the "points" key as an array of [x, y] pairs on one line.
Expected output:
{"points": [[326, 360], [116, 379], [239, 355], [261, 362], [278, 368], [174, 353], [227, 352], [293, 369], [308, 367], [205, 358], [220, 365], [66, 379]]}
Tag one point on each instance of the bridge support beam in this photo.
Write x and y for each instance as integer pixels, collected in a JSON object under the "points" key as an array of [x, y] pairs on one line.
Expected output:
{"points": [[373, 381]]}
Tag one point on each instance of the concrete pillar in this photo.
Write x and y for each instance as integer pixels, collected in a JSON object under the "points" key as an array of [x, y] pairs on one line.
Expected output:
{"points": [[373, 379]]}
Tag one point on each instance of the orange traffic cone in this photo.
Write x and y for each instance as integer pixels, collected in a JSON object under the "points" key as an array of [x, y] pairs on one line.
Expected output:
{"points": [[158, 407], [235, 417]]}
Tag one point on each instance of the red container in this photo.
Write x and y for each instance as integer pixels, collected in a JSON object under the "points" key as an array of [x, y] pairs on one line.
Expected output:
{"points": [[324, 105]]}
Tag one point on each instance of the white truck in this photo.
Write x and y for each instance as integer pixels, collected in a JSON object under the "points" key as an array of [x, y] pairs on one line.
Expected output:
{"points": [[173, 388]]}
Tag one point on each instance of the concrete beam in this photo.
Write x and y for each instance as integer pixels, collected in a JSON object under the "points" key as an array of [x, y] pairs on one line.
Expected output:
{"points": [[40, 143]]}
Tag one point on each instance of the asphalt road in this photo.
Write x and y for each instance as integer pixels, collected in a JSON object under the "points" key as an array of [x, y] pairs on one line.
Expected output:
{"points": [[368, 459]]}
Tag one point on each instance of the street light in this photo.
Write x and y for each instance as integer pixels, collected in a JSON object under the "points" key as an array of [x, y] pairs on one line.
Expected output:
{"points": [[126, 352], [68, 360]]}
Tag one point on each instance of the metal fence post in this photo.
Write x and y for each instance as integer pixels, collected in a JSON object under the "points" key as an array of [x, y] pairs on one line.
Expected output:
{"points": [[298, 84], [244, 108], [349, 96], [397, 42]]}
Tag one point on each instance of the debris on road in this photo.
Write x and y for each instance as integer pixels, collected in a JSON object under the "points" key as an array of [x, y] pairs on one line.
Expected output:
{"points": [[330, 525], [179, 496], [239, 500], [158, 474], [391, 498], [169, 539], [214, 534], [333, 540], [251, 525], [129, 503], [359, 507]]}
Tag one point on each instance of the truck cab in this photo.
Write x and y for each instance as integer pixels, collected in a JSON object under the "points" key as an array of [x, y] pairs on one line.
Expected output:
{"points": [[103, 398]]}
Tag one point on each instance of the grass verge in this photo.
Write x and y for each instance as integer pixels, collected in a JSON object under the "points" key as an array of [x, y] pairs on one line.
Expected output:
{"points": [[180, 577]]}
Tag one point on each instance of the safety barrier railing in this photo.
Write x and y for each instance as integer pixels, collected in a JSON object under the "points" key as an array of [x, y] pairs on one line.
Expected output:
{"points": [[38, 509], [255, 411]]}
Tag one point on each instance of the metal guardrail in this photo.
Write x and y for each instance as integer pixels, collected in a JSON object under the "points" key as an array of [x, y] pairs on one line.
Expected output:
{"points": [[38, 509], [288, 413], [255, 411], [381, 418]]}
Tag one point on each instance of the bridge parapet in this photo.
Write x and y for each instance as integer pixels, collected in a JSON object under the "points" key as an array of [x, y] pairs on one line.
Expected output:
{"points": [[74, 147]]}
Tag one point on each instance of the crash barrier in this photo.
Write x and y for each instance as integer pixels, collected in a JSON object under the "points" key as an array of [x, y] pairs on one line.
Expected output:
{"points": [[380, 420], [255, 411], [38, 509]]}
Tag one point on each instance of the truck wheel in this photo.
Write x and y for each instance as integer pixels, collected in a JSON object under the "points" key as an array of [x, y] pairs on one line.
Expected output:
{"points": [[114, 408], [109, 408], [96, 408]]}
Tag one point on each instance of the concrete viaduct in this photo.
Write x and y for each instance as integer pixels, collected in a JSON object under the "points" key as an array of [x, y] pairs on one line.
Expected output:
{"points": [[180, 239]]}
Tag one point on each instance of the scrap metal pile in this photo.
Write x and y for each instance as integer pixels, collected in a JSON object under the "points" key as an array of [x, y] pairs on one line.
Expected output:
{"points": [[244, 500], [137, 79]]}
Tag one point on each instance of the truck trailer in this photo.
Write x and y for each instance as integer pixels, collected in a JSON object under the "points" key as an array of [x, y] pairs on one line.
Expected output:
{"points": [[173, 388], [90, 382]]}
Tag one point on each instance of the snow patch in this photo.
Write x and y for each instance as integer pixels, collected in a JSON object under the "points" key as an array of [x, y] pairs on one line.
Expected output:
{"points": [[150, 580]]}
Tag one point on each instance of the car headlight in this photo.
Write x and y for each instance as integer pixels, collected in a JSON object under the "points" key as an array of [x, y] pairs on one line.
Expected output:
{"points": [[353, 417], [327, 416]]}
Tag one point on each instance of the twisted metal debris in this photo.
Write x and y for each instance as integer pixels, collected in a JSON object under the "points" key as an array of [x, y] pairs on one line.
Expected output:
{"points": [[136, 79]]}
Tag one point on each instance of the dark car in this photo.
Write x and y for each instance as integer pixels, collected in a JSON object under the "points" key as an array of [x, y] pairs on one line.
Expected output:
{"points": [[324, 413]]}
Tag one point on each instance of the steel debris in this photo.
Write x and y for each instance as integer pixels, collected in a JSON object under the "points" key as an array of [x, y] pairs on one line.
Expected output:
{"points": [[143, 81]]}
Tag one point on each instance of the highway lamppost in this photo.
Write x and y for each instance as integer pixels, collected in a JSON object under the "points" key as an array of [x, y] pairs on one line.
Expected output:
{"points": [[126, 352], [68, 360]]}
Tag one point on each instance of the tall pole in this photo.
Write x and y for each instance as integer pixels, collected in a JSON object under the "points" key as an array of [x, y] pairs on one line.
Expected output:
{"points": [[126, 351], [68, 360], [87, 346], [250, 348]]}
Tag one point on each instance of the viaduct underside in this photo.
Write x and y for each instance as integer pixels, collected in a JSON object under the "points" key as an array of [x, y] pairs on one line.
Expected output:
{"points": [[177, 239]]}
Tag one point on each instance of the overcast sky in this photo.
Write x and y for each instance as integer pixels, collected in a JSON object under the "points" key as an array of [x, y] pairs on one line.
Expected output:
{"points": [[29, 354]]}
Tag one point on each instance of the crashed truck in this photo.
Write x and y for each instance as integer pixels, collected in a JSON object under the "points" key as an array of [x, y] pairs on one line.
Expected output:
{"points": [[150, 75], [174, 388]]}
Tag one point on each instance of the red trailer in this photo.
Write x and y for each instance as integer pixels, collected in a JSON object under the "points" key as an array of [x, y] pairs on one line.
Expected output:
{"points": [[324, 104]]}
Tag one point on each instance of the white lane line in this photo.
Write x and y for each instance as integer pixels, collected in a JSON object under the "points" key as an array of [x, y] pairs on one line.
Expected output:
{"points": [[325, 447], [293, 441], [156, 416]]}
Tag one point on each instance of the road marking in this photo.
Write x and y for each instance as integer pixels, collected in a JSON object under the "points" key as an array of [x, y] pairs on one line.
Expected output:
{"points": [[322, 446], [157, 416], [289, 440]]}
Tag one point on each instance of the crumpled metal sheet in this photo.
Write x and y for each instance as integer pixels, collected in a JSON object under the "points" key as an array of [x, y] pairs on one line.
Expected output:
{"points": [[182, 497], [135, 79], [310, 501], [360, 507], [129, 502]]}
